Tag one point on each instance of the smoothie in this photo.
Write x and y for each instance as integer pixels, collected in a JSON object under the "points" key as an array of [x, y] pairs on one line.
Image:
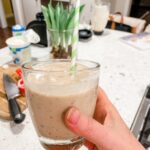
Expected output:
{"points": [[52, 91]]}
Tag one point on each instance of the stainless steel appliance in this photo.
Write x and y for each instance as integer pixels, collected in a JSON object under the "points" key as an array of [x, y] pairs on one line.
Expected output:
{"points": [[141, 125]]}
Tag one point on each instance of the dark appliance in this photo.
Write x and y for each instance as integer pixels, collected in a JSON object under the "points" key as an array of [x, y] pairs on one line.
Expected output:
{"points": [[141, 125]]}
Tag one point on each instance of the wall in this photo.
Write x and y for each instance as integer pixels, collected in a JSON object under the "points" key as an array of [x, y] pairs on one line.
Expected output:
{"points": [[86, 14], [7, 8], [121, 5], [113, 5], [30, 8], [116, 5]]}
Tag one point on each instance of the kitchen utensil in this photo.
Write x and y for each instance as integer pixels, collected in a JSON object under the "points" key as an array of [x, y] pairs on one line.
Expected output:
{"points": [[11, 70], [12, 92]]}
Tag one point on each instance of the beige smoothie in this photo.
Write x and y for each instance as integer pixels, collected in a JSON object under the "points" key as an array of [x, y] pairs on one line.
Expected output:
{"points": [[51, 92]]}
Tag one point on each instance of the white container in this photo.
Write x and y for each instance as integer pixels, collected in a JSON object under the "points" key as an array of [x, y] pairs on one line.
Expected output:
{"points": [[20, 49], [18, 30]]}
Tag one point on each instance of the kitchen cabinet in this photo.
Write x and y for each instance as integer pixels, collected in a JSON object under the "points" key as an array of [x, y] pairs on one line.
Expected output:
{"points": [[3, 23], [18, 11]]}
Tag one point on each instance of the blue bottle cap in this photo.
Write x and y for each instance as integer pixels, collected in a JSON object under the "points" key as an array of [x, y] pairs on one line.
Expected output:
{"points": [[18, 28]]}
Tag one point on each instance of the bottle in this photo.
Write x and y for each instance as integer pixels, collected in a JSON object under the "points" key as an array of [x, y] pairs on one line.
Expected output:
{"points": [[39, 26], [18, 30], [100, 14]]}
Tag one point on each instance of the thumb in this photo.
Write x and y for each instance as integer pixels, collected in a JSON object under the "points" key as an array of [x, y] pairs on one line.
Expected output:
{"points": [[87, 127]]}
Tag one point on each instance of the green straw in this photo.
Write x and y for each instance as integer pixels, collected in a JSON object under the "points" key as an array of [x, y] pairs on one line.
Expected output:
{"points": [[75, 38]]}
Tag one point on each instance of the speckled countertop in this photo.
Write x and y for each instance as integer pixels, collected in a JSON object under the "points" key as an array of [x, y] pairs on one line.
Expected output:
{"points": [[124, 75]]}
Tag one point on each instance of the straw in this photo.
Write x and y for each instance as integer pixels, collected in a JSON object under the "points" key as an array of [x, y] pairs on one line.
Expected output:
{"points": [[75, 38]]}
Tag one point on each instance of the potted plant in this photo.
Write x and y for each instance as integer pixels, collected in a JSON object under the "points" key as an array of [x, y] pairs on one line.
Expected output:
{"points": [[60, 25]]}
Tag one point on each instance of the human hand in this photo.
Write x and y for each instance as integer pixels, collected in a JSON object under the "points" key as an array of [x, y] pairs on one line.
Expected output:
{"points": [[107, 131]]}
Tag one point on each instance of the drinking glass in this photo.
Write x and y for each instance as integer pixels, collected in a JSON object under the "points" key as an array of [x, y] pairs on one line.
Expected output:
{"points": [[51, 90], [100, 16]]}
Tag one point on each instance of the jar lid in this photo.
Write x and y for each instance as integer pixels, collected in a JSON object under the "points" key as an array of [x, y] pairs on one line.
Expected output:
{"points": [[18, 28]]}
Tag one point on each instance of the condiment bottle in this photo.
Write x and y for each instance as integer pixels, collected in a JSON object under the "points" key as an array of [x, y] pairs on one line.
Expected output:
{"points": [[18, 30]]}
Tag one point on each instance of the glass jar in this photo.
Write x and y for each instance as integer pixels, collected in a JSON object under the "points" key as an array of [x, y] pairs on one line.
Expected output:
{"points": [[61, 43]]}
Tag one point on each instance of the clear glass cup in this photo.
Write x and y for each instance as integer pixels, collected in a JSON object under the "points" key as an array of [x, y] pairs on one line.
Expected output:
{"points": [[100, 16], [51, 89], [61, 42]]}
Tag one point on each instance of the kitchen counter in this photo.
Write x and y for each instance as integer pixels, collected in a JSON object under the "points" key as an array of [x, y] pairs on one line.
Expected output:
{"points": [[124, 76]]}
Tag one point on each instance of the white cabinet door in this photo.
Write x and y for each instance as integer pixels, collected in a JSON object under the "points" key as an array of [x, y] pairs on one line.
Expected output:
{"points": [[3, 22], [30, 8]]}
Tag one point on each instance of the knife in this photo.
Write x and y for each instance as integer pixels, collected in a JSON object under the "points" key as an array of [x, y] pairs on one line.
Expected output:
{"points": [[12, 92]]}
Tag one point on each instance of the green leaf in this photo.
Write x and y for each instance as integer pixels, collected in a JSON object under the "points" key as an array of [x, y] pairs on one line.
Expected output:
{"points": [[52, 17], [61, 7], [81, 8], [70, 18], [59, 19], [57, 15], [63, 20], [70, 21], [46, 17]]}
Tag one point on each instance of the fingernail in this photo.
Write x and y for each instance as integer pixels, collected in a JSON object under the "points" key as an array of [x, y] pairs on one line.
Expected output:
{"points": [[73, 116]]}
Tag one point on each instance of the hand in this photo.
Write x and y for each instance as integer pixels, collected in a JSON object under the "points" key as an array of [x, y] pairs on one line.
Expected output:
{"points": [[107, 131]]}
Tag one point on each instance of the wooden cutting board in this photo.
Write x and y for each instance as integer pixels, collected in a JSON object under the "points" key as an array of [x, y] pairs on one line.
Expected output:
{"points": [[4, 107]]}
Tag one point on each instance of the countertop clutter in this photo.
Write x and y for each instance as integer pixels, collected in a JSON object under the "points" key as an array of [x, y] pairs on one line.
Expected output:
{"points": [[124, 75]]}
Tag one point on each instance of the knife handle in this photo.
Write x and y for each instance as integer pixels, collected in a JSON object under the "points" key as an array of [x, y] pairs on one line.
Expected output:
{"points": [[15, 111]]}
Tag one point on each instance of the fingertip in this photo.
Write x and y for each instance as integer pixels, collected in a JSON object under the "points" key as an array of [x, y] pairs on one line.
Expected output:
{"points": [[85, 126], [72, 116]]}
